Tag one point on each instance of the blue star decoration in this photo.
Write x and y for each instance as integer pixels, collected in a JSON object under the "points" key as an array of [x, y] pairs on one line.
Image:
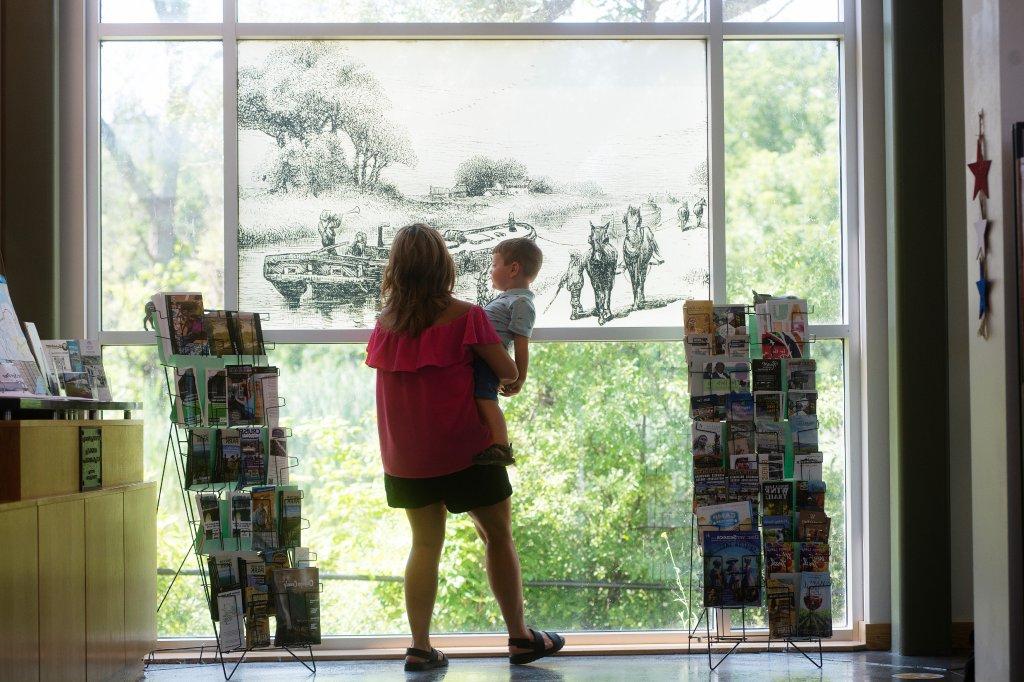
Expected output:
{"points": [[982, 284]]}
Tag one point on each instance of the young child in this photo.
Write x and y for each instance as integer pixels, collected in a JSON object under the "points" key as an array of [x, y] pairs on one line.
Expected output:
{"points": [[514, 265]]}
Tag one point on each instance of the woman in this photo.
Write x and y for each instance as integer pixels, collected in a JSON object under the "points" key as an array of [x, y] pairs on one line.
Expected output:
{"points": [[423, 348]]}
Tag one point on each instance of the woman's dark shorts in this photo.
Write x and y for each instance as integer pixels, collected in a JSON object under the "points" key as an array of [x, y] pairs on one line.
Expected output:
{"points": [[478, 486]]}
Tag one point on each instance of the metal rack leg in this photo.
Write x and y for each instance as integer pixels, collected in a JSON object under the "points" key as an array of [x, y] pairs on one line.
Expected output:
{"points": [[312, 659], [821, 660]]}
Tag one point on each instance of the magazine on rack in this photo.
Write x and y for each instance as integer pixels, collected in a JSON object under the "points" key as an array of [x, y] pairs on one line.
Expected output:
{"points": [[290, 502], [805, 433], [810, 496], [727, 516], [216, 398], [778, 556], [232, 627], [781, 597], [812, 526], [241, 517], [218, 332], [777, 498], [730, 320], [241, 395], [264, 384], [264, 518], [709, 487], [732, 568], [278, 466], [807, 467], [186, 398], [813, 557], [814, 605], [800, 375], [744, 486], [698, 317], [199, 457], [739, 407], [707, 407], [185, 324], [296, 593], [772, 436], [253, 454], [767, 375], [698, 347], [738, 346], [741, 438], [784, 334], [771, 466], [801, 404], [768, 406], [256, 599], [777, 528], [209, 518], [707, 443], [247, 333], [228, 467]]}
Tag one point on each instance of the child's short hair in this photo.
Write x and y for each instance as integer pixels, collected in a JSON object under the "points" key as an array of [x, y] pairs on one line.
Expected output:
{"points": [[521, 250]]}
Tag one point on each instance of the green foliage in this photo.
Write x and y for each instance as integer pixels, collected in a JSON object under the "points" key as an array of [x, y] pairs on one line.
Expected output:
{"points": [[782, 172]]}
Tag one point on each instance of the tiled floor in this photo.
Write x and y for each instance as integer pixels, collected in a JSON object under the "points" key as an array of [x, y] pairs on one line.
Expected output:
{"points": [[753, 666]]}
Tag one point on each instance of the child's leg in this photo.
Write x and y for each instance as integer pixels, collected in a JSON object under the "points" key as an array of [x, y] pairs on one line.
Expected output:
{"points": [[493, 417]]}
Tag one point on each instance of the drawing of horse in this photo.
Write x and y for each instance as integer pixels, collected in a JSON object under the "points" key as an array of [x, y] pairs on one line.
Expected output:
{"points": [[600, 265], [639, 252]]}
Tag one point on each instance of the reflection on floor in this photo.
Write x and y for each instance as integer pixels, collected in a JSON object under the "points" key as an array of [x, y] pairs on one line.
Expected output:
{"points": [[838, 666]]}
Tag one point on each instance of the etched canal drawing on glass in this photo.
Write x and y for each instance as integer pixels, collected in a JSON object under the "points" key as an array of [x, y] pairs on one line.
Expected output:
{"points": [[596, 149]]}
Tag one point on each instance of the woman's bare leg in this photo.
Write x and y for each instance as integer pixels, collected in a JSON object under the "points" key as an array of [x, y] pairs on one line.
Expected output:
{"points": [[494, 525], [421, 570]]}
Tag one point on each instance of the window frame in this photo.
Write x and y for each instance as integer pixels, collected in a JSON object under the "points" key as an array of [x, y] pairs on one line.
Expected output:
{"points": [[714, 32]]}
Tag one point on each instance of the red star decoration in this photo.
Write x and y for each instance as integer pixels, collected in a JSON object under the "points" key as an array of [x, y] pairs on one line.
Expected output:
{"points": [[980, 170]]}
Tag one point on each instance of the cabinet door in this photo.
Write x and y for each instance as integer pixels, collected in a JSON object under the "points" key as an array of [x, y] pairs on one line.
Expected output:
{"points": [[104, 586], [19, 596], [139, 573], [62, 591]]}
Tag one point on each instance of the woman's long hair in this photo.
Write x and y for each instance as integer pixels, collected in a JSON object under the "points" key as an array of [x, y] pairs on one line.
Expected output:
{"points": [[418, 281]]}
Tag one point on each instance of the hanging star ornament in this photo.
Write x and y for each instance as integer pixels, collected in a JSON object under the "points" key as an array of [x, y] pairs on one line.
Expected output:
{"points": [[980, 166], [982, 285], [980, 229]]}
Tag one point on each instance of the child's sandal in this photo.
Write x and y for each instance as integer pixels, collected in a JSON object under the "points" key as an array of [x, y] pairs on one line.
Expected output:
{"points": [[496, 454]]}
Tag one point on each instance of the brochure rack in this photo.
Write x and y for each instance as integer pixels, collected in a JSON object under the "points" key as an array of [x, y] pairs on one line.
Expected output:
{"points": [[178, 451], [717, 378]]}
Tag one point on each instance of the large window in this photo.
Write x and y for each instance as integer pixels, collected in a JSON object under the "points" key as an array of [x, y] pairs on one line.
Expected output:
{"points": [[239, 143]]}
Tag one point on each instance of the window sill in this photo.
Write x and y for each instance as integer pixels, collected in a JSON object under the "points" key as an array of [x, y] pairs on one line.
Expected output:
{"points": [[326, 653]]}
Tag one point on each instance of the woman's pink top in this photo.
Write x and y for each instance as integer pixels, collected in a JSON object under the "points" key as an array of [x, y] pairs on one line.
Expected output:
{"points": [[426, 415]]}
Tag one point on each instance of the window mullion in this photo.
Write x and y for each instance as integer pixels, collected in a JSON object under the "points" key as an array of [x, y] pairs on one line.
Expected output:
{"points": [[230, 86], [716, 150]]}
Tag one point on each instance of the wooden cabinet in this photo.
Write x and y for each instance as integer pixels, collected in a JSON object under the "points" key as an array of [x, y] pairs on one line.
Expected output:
{"points": [[39, 458], [62, 599], [19, 605], [78, 576]]}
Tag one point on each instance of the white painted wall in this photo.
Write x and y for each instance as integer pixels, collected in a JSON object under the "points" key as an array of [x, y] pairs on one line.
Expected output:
{"points": [[993, 38]]}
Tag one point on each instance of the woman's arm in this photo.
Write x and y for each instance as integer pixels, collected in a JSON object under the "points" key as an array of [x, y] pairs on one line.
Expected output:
{"points": [[494, 354]]}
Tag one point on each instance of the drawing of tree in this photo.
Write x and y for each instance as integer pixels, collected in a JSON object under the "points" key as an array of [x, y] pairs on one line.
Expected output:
{"points": [[480, 172], [326, 113]]}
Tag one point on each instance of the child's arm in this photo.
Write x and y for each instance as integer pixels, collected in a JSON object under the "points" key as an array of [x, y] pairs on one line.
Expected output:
{"points": [[521, 349]]}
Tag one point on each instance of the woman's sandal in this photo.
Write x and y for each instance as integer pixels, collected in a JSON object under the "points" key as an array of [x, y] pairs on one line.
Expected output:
{"points": [[537, 644], [435, 659]]}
